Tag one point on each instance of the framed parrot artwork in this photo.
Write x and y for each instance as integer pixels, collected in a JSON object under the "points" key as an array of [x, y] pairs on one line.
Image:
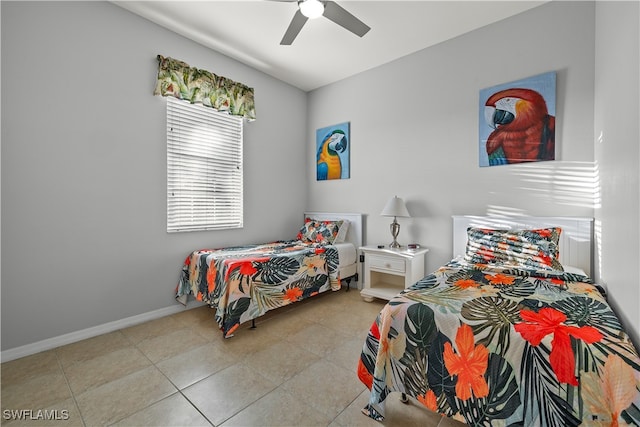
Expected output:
{"points": [[518, 121], [333, 145]]}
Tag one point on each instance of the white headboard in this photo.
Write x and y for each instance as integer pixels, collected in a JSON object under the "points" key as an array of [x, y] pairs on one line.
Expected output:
{"points": [[355, 231], [576, 239]]}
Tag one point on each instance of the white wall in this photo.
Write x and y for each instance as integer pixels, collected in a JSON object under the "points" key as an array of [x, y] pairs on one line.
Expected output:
{"points": [[414, 125], [617, 151], [84, 167]]}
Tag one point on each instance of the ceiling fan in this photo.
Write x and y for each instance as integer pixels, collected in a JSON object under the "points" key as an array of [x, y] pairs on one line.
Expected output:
{"points": [[310, 9]]}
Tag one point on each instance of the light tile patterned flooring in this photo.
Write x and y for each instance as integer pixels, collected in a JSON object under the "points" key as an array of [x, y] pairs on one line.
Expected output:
{"points": [[298, 368]]}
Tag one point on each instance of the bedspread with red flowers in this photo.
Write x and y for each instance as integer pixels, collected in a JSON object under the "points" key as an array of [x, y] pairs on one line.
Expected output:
{"points": [[244, 282], [497, 346]]}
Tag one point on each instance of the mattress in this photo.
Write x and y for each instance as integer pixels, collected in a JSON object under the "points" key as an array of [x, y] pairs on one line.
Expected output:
{"points": [[347, 256]]}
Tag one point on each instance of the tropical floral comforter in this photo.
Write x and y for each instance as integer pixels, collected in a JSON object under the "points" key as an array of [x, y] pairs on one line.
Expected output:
{"points": [[244, 282], [503, 347]]}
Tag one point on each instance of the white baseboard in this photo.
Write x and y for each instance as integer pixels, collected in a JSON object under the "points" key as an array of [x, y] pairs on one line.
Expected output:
{"points": [[49, 343]]}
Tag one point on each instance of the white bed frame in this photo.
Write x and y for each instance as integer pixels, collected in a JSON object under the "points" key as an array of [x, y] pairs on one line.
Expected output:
{"points": [[576, 239]]}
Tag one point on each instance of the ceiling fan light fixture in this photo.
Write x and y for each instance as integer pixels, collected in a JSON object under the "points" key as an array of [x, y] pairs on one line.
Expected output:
{"points": [[311, 8]]}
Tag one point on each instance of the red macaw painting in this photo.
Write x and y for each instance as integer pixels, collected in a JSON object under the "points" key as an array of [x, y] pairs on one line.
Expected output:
{"points": [[518, 123]]}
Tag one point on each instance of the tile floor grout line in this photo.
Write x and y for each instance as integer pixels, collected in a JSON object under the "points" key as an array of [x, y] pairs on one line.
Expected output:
{"points": [[196, 408], [151, 364], [66, 380], [346, 407], [279, 386], [179, 390]]}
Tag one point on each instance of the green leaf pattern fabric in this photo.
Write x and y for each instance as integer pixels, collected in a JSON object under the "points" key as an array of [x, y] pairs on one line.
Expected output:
{"points": [[176, 78], [244, 282], [495, 345], [537, 248]]}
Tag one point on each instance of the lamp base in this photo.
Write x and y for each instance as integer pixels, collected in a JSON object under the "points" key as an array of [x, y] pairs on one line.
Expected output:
{"points": [[395, 230]]}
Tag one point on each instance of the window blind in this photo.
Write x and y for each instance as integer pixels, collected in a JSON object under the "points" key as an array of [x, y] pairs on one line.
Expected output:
{"points": [[204, 168]]}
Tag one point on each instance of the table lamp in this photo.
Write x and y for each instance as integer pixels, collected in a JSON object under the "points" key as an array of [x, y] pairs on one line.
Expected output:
{"points": [[395, 208]]}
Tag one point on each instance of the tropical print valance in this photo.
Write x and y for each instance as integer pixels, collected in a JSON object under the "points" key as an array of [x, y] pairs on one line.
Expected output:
{"points": [[177, 78]]}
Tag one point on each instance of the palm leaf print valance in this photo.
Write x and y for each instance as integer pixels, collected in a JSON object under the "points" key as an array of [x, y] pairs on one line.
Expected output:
{"points": [[178, 79]]}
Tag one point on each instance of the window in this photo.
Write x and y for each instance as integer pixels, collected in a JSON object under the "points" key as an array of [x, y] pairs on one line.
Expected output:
{"points": [[204, 168]]}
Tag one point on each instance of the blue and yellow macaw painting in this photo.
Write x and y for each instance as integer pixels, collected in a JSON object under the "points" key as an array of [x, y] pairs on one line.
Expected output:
{"points": [[332, 152]]}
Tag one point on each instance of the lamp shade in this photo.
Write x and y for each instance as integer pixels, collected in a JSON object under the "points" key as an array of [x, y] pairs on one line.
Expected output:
{"points": [[395, 207]]}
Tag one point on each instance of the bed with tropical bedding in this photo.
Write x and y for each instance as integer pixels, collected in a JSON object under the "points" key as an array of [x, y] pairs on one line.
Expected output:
{"points": [[505, 336], [242, 283]]}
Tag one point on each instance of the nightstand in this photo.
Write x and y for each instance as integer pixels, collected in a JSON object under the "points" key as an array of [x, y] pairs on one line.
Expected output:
{"points": [[389, 271]]}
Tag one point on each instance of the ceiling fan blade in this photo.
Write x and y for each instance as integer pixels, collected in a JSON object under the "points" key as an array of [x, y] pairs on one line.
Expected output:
{"points": [[340, 16], [295, 26]]}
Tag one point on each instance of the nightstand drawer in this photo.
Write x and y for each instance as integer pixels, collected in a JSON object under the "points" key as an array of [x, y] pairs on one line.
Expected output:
{"points": [[387, 263]]}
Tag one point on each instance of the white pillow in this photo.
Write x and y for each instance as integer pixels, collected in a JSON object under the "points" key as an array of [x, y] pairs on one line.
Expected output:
{"points": [[574, 270]]}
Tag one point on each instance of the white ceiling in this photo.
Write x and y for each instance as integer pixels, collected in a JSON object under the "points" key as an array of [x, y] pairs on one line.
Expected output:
{"points": [[323, 52]]}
